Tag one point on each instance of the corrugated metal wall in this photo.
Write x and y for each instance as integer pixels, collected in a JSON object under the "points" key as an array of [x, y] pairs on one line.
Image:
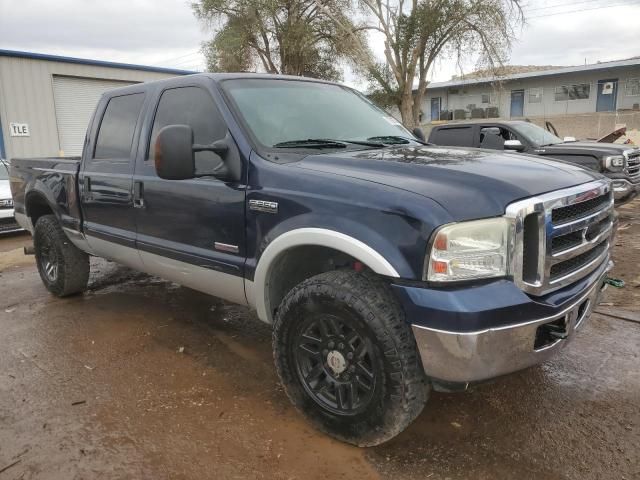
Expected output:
{"points": [[27, 96], [75, 100]]}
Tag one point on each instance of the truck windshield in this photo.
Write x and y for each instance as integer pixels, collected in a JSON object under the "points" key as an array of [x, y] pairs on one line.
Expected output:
{"points": [[4, 175], [290, 113], [536, 135]]}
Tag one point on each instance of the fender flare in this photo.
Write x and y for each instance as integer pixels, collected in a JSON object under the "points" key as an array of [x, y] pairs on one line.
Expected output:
{"points": [[257, 290], [41, 197]]}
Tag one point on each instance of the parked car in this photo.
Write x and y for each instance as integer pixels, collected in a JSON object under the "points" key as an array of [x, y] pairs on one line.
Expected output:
{"points": [[7, 220], [385, 266], [621, 163]]}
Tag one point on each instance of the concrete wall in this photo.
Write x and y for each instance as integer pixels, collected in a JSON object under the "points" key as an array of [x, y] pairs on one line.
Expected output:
{"points": [[26, 96], [500, 94], [594, 125]]}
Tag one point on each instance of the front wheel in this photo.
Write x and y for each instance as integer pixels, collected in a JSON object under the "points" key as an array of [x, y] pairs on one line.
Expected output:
{"points": [[347, 358], [63, 268]]}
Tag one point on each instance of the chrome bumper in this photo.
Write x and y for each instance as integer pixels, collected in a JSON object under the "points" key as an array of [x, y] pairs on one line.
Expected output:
{"points": [[475, 356], [8, 222], [624, 190]]}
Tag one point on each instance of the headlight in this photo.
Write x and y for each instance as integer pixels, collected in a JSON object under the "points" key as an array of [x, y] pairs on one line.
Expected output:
{"points": [[469, 250], [614, 163]]}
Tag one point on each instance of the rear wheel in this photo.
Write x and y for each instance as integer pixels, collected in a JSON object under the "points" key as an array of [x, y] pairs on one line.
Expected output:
{"points": [[348, 359], [63, 268]]}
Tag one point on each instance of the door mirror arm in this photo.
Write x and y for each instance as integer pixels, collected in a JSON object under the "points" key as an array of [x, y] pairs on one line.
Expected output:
{"points": [[229, 168], [219, 147]]}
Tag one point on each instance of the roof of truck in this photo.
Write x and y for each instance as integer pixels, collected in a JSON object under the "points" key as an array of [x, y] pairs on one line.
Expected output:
{"points": [[216, 77]]}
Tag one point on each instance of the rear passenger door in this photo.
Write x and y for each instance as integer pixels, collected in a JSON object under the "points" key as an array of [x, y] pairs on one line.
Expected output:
{"points": [[106, 178], [191, 231]]}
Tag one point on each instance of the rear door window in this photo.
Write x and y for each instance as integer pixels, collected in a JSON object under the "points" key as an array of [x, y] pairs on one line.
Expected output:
{"points": [[453, 136], [118, 125]]}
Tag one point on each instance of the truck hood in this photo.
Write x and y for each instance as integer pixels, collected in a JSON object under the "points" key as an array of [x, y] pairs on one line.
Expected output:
{"points": [[468, 183], [5, 190], [601, 149]]}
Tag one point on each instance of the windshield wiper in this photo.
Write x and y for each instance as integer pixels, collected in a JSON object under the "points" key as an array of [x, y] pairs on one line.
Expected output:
{"points": [[324, 143], [397, 140], [311, 143]]}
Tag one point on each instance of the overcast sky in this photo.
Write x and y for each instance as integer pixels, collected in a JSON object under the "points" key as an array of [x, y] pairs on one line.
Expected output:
{"points": [[165, 32]]}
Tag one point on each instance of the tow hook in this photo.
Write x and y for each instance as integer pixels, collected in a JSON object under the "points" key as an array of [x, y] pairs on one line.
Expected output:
{"points": [[550, 333], [556, 331]]}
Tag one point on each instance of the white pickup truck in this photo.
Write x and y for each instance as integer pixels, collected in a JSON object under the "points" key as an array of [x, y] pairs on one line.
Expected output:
{"points": [[7, 220]]}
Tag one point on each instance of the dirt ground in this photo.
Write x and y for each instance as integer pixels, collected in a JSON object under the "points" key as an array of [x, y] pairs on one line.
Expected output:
{"points": [[143, 379]]}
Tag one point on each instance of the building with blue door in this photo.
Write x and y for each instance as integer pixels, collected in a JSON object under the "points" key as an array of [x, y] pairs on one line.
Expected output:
{"points": [[542, 94]]}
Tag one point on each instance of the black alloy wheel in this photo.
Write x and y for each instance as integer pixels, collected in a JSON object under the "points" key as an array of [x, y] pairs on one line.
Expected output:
{"points": [[334, 363]]}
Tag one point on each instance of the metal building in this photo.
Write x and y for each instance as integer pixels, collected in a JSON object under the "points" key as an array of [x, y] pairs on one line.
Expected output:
{"points": [[46, 101], [607, 87]]}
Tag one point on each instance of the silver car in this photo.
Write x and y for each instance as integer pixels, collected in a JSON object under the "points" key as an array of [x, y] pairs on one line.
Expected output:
{"points": [[7, 220]]}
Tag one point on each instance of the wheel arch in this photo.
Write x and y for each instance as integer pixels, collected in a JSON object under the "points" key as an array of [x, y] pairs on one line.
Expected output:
{"points": [[259, 291], [36, 205]]}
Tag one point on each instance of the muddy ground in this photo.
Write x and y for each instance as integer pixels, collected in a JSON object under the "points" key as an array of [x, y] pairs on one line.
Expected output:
{"points": [[143, 379]]}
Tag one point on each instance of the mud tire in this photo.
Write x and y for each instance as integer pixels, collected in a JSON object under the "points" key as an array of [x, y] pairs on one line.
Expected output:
{"points": [[401, 389], [54, 251]]}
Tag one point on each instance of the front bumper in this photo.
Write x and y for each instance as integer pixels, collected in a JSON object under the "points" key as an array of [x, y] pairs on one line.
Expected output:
{"points": [[461, 356], [624, 191], [8, 222]]}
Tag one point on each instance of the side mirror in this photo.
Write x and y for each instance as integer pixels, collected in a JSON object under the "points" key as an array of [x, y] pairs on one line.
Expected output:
{"points": [[174, 158], [175, 155], [418, 133], [569, 139], [515, 145]]}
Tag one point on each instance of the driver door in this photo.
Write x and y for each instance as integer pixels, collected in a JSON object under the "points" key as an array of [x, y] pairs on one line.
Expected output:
{"points": [[191, 231]]}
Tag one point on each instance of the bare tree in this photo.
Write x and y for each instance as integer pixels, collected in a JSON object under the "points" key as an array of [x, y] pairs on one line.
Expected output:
{"points": [[418, 32], [295, 37]]}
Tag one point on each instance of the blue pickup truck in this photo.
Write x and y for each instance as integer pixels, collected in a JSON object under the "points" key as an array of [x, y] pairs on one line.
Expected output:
{"points": [[387, 267]]}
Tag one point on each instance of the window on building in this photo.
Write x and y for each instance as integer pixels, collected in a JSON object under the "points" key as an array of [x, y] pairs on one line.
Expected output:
{"points": [[191, 106], [579, 91], [632, 87], [535, 95], [486, 98], [118, 125], [453, 91]]}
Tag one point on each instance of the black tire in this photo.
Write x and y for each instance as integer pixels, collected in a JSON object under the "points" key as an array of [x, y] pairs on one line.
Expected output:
{"points": [[359, 312], [63, 268]]}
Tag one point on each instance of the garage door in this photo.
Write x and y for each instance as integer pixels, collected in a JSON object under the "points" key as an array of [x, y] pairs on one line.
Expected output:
{"points": [[75, 99]]}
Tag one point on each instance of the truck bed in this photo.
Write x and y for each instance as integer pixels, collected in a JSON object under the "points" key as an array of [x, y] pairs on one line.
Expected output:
{"points": [[57, 181]]}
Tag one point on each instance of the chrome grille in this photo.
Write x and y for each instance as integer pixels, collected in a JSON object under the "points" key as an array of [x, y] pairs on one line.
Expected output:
{"points": [[562, 236], [567, 267], [633, 164], [575, 211]]}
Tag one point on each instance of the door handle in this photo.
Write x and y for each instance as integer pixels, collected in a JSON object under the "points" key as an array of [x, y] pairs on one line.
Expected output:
{"points": [[138, 194], [88, 196]]}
